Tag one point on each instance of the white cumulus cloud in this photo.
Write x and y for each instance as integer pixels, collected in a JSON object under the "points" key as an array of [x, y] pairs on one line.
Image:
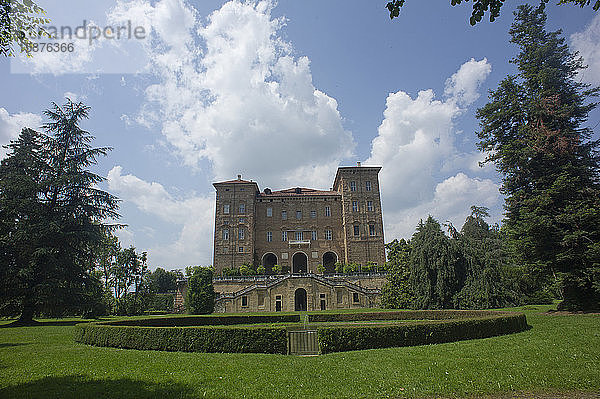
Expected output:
{"points": [[587, 43], [194, 216], [11, 126], [464, 84], [423, 170], [232, 92]]}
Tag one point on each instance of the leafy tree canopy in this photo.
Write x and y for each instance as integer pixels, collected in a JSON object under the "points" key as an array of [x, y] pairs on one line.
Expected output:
{"points": [[20, 20], [201, 293], [481, 7]]}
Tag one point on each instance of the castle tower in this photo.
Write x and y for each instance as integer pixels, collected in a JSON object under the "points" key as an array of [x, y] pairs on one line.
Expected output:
{"points": [[362, 221], [235, 216]]}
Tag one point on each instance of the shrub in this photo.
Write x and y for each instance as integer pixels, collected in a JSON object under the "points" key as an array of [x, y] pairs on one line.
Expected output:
{"points": [[246, 270], [190, 334], [339, 339], [261, 270], [162, 302], [351, 268], [191, 321], [201, 294], [185, 339]]}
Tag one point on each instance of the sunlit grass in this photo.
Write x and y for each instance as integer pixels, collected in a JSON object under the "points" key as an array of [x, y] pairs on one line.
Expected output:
{"points": [[561, 353]]}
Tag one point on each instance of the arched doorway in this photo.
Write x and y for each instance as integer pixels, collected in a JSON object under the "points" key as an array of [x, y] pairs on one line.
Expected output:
{"points": [[300, 300], [329, 259], [268, 261], [299, 263]]}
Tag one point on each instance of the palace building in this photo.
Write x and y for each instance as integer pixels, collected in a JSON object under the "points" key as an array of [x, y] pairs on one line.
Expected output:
{"points": [[300, 228], [298, 235]]}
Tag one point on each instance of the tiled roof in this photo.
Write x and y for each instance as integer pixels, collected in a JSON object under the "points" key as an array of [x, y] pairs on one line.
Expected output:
{"points": [[235, 181]]}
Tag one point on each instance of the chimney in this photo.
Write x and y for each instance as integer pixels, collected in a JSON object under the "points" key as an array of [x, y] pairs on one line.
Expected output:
{"points": [[358, 164], [239, 177]]}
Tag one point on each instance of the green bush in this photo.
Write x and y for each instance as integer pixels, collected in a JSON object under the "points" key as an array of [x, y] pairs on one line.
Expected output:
{"points": [[185, 339], [163, 302], [403, 315], [191, 334], [190, 321], [347, 338], [200, 293]]}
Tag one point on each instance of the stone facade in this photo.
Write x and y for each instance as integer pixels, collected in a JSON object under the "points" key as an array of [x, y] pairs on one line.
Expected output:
{"points": [[297, 292], [272, 293], [300, 228]]}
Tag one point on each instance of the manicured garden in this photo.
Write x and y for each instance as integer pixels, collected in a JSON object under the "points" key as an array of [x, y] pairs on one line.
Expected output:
{"points": [[559, 354], [264, 333]]}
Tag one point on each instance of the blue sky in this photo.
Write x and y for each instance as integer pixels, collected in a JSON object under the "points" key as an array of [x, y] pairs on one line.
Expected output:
{"points": [[282, 93]]}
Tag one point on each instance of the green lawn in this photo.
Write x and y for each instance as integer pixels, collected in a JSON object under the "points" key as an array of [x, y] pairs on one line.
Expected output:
{"points": [[559, 354]]}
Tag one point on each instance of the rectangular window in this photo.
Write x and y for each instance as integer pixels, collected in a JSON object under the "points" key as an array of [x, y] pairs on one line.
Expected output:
{"points": [[354, 206], [269, 212], [356, 230], [241, 233], [226, 208], [313, 214], [298, 236], [327, 211], [352, 186], [371, 229], [355, 297], [226, 222], [244, 301], [298, 215], [241, 249], [328, 234], [283, 215], [242, 208], [370, 206], [313, 235], [269, 236], [284, 236], [225, 234], [242, 220], [368, 185]]}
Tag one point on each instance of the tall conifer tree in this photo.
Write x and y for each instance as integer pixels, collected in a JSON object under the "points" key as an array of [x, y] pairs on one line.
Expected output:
{"points": [[51, 214], [533, 130]]}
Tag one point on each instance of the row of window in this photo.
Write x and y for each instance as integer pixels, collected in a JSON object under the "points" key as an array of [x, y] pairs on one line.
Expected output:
{"points": [[313, 213], [356, 207], [353, 186], [298, 235], [241, 209], [357, 230], [284, 215]]}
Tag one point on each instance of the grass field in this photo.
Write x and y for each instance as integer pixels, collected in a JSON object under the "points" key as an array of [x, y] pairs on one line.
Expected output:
{"points": [[559, 355]]}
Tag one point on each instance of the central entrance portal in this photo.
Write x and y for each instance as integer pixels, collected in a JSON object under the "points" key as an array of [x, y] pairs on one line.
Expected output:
{"points": [[299, 263], [300, 300]]}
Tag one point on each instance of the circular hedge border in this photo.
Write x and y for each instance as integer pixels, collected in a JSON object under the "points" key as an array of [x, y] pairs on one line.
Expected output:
{"points": [[234, 334]]}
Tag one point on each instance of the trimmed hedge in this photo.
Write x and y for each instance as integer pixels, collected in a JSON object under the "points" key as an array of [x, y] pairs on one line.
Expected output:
{"points": [[185, 339], [223, 333], [187, 321], [347, 338], [404, 315]]}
